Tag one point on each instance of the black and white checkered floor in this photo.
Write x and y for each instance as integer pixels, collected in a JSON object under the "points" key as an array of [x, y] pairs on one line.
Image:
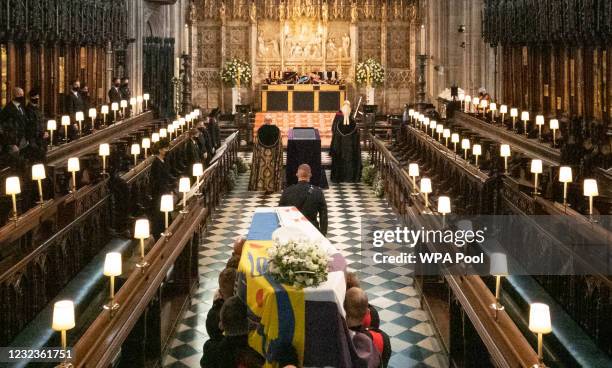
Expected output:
{"points": [[390, 290]]}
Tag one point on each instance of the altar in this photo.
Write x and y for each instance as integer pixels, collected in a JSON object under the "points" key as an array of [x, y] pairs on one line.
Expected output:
{"points": [[302, 97]]}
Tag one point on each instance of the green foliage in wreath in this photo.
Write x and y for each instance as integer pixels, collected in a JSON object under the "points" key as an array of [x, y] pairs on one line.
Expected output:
{"points": [[367, 173], [378, 186], [242, 165]]}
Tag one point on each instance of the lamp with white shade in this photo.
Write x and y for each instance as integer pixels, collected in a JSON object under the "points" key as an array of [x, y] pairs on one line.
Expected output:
{"points": [[74, 166], [411, 115], [154, 137], [504, 151], [146, 144], [460, 97], [439, 130], [166, 206], [163, 133], [444, 208], [455, 140], [135, 151], [565, 176], [477, 151], [514, 115], [483, 104], [499, 268], [104, 112], [539, 323], [66, 124], [104, 151], [51, 127], [170, 130], [115, 108], [184, 187], [590, 190], [133, 105], [426, 189], [181, 124], [93, 113], [39, 174], [539, 122], [188, 119], [139, 101], [123, 104], [525, 119], [446, 133], [503, 110], [465, 146], [554, 125], [112, 269], [536, 168], [493, 108], [426, 123], [146, 97], [63, 320], [476, 103], [79, 117], [197, 171], [142, 232], [432, 125], [413, 172], [467, 100], [13, 187]]}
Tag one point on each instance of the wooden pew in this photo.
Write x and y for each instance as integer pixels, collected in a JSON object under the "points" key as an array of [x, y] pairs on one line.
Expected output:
{"points": [[586, 308], [30, 279], [143, 306]]}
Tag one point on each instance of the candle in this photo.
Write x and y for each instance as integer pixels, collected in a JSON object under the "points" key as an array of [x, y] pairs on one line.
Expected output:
{"points": [[422, 37]]}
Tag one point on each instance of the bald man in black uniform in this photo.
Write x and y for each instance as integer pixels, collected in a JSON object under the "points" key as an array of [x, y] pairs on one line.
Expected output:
{"points": [[307, 198]]}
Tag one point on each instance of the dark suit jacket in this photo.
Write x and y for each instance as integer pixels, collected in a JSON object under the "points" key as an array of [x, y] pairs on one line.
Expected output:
{"points": [[309, 199], [74, 103], [114, 95], [13, 122]]}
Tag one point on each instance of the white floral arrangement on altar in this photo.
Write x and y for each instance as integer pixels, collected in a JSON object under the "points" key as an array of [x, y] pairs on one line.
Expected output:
{"points": [[236, 72], [369, 73], [298, 263]]}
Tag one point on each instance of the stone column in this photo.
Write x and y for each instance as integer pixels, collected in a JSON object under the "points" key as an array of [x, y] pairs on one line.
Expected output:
{"points": [[421, 84]]}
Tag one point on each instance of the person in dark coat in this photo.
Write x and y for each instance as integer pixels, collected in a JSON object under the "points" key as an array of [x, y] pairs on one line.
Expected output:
{"points": [[233, 350], [192, 149], [74, 100], [162, 182], [307, 198], [114, 93], [126, 94], [13, 122], [35, 131]]}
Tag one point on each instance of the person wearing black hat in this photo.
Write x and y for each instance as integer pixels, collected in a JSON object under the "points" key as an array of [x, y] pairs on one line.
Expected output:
{"points": [[35, 132]]}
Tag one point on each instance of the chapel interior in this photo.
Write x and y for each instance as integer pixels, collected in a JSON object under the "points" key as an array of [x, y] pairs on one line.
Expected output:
{"points": [[198, 183]]}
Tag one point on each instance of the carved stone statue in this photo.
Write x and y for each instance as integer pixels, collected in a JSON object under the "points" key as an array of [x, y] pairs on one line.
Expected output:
{"points": [[261, 46], [281, 11], [332, 51], [222, 10], [253, 12], [354, 14], [346, 45], [324, 11]]}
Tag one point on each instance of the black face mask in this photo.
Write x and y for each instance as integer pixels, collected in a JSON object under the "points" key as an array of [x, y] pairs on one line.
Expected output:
{"points": [[75, 89], [21, 99], [34, 101], [117, 85]]}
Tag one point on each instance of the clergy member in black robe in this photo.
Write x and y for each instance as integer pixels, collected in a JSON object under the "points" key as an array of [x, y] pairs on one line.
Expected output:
{"points": [[345, 149]]}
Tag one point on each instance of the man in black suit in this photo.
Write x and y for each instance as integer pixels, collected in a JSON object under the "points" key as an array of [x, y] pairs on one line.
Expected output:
{"points": [[126, 94], [114, 94], [35, 131], [13, 124], [75, 101], [307, 198]]}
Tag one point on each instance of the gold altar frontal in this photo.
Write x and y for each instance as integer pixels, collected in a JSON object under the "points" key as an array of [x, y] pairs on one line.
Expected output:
{"points": [[288, 120], [302, 97]]}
